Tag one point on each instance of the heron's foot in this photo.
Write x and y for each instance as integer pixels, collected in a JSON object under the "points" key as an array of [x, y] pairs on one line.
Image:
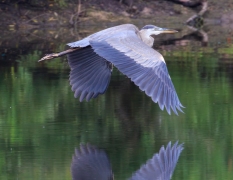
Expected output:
{"points": [[49, 56]]}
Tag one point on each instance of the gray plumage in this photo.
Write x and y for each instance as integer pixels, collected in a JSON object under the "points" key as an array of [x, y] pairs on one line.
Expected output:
{"points": [[90, 75], [130, 51], [91, 163]]}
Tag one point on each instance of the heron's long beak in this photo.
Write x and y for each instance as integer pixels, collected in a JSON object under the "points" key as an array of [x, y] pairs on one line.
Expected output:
{"points": [[165, 30]]}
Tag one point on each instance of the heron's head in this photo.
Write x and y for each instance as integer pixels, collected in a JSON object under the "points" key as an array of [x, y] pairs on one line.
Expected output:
{"points": [[154, 30]]}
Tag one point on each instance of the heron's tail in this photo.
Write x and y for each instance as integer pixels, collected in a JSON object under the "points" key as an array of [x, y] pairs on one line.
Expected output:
{"points": [[55, 55]]}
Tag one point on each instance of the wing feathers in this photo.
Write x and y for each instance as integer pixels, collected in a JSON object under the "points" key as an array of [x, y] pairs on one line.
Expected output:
{"points": [[146, 69], [90, 73]]}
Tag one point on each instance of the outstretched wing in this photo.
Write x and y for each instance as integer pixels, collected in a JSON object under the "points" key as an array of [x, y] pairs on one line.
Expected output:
{"points": [[162, 164], [90, 74], [142, 64], [90, 163]]}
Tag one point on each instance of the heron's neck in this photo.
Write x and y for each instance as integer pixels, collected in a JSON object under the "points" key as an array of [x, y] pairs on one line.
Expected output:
{"points": [[146, 38]]}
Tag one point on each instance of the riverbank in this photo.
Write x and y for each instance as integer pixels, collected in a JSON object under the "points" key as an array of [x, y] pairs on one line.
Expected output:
{"points": [[26, 15]]}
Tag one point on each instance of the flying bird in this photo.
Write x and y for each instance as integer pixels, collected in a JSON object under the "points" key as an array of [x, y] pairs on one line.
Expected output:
{"points": [[90, 163], [129, 49]]}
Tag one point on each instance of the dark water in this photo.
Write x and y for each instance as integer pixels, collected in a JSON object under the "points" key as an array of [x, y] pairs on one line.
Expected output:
{"points": [[41, 122]]}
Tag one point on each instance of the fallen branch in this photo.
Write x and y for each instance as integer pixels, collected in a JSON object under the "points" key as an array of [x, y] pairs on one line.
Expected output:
{"points": [[199, 14]]}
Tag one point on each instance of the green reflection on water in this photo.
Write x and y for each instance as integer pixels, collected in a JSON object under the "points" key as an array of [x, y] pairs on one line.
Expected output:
{"points": [[41, 123]]}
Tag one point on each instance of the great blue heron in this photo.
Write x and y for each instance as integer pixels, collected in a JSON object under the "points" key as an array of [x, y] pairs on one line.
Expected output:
{"points": [[90, 163], [130, 50]]}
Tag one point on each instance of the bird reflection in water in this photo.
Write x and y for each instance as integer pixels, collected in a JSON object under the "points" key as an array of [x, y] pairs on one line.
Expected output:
{"points": [[90, 163], [128, 49]]}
